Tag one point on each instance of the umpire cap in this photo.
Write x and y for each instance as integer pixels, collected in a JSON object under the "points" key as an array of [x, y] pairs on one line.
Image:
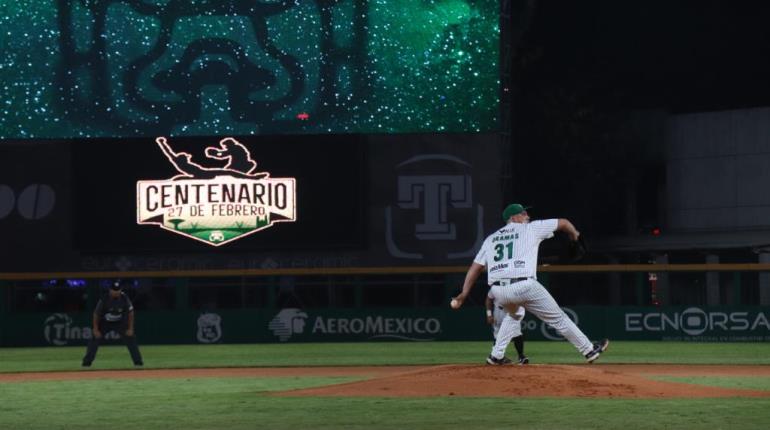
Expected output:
{"points": [[514, 209]]}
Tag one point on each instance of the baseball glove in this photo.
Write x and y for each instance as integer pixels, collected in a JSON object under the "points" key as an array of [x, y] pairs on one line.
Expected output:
{"points": [[577, 249]]}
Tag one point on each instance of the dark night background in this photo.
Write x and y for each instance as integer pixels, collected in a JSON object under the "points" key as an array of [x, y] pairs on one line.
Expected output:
{"points": [[581, 70]]}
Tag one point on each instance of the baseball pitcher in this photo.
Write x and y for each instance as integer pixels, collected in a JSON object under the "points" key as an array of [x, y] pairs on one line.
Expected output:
{"points": [[510, 258]]}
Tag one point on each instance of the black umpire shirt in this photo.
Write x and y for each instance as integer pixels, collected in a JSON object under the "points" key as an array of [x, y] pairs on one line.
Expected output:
{"points": [[114, 310]]}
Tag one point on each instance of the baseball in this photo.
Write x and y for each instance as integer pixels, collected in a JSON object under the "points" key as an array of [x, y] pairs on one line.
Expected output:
{"points": [[454, 304]]}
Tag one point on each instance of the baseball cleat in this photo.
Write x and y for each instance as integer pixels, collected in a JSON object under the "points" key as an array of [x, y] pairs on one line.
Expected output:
{"points": [[498, 361], [599, 347], [523, 360]]}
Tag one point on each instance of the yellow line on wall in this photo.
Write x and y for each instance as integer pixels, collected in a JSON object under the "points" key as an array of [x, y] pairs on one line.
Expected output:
{"points": [[588, 268]]}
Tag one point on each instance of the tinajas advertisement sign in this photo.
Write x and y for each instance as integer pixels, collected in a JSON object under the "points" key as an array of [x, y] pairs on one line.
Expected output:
{"points": [[215, 205]]}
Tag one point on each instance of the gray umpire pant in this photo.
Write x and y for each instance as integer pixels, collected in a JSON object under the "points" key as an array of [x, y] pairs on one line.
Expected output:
{"points": [[120, 328]]}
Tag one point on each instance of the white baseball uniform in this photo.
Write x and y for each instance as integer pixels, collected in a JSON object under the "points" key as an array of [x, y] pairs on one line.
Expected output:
{"points": [[510, 256], [499, 313]]}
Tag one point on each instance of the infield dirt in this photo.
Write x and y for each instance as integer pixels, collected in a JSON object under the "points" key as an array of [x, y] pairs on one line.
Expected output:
{"points": [[600, 381]]}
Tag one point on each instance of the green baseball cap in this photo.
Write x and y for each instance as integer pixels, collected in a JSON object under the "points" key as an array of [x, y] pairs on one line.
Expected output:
{"points": [[513, 209]]}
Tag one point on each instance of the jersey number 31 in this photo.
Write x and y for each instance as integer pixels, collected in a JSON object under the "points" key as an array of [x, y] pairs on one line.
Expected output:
{"points": [[500, 251]]}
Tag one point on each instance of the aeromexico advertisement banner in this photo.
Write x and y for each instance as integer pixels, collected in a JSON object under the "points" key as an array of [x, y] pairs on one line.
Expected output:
{"points": [[695, 324]]}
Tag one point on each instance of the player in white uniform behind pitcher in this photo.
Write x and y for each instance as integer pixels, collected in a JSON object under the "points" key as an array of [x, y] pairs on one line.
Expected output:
{"points": [[495, 316], [510, 257]]}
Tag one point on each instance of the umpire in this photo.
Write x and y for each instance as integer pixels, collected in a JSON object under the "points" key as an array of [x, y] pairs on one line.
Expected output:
{"points": [[114, 312]]}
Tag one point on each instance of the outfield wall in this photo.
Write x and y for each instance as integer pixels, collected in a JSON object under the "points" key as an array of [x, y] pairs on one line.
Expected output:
{"points": [[358, 201], [699, 324]]}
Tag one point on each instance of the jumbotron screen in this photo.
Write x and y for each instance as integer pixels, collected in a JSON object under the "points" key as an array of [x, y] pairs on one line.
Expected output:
{"points": [[144, 68]]}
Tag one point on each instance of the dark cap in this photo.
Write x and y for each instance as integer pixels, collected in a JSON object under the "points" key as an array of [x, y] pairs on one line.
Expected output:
{"points": [[116, 285], [513, 209]]}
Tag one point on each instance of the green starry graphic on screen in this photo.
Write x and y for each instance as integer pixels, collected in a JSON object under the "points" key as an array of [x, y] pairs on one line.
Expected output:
{"points": [[127, 68]]}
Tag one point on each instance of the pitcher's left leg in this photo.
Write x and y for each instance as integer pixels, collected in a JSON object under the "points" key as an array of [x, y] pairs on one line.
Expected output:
{"points": [[542, 304]]}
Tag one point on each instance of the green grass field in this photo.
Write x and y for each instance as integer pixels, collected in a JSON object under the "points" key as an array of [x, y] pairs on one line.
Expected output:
{"points": [[246, 403]]}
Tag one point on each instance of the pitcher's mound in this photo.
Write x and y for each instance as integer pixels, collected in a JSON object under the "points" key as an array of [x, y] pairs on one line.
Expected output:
{"points": [[541, 381]]}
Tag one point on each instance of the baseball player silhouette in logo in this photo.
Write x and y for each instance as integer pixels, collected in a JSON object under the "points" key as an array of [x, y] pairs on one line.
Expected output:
{"points": [[239, 161], [510, 257]]}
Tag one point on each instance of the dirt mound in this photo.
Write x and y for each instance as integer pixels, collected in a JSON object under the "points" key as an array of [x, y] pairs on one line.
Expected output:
{"points": [[530, 381], [603, 381]]}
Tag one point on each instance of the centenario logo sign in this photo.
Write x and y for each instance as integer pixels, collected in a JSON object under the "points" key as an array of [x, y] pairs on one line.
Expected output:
{"points": [[215, 205]]}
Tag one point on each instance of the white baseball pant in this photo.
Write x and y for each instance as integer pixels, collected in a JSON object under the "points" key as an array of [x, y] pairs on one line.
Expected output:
{"points": [[536, 299], [499, 314]]}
